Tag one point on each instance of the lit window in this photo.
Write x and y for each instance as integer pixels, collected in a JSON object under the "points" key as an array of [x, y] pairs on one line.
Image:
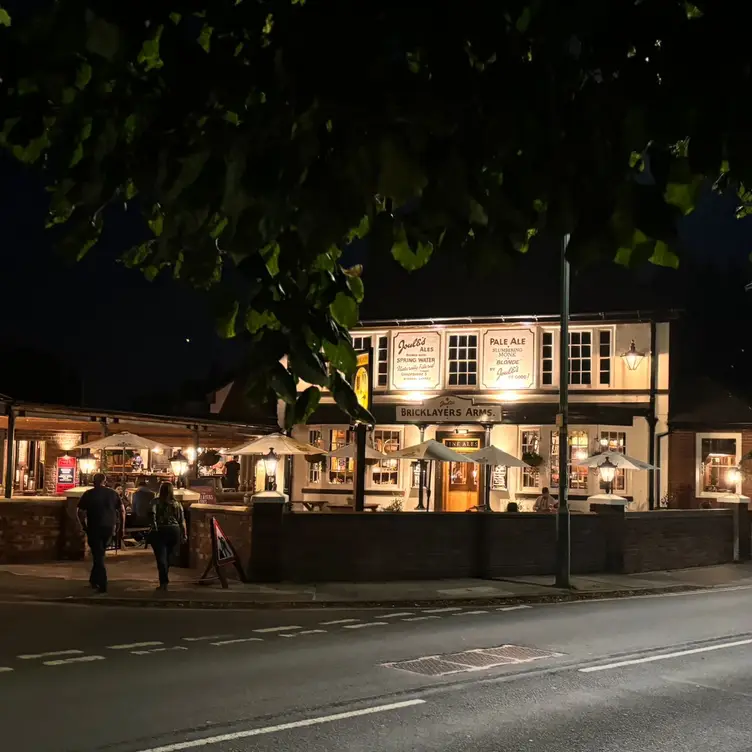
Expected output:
{"points": [[530, 442], [718, 462], [547, 359], [340, 468], [615, 441], [463, 360], [580, 358], [386, 472], [314, 468], [578, 450]]}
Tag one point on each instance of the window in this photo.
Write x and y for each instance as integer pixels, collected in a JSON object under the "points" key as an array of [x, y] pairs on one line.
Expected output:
{"points": [[386, 472], [604, 357], [340, 468], [547, 359], [382, 361], [361, 343], [314, 468], [615, 441], [718, 458], [463, 360], [578, 450], [580, 358], [530, 443]]}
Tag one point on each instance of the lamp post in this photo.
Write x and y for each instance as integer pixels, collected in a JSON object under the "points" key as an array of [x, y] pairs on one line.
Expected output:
{"points": [[270, 466], [179, 465], [608, 473]]}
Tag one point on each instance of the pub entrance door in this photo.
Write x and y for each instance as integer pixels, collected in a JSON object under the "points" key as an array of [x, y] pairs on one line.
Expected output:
{"points": [[460, 481]]}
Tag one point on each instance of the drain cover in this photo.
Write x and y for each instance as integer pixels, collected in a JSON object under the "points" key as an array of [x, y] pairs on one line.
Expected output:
{"points": [[471, 660]]}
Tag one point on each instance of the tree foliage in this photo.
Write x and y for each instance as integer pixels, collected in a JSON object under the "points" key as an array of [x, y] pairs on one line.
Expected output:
{"points": [[255, 139]]}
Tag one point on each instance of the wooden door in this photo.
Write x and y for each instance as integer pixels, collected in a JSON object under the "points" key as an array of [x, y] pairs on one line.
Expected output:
{"points": [[461, 479]]}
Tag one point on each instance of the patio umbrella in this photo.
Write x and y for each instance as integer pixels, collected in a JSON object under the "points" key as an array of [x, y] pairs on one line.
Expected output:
{"points": [[617, 459], [492, 455], [277, 442], [123, 440], [430, 450]]}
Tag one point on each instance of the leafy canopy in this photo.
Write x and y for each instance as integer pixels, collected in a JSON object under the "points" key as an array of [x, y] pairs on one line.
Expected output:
{"points": [[253, 140]]}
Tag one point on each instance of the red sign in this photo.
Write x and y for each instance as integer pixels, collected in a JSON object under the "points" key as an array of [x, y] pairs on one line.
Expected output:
{"points": [[207, 494], [65, 477], [225, 552]]}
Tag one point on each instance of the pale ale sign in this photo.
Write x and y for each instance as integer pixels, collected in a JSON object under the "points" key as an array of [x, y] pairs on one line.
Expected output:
{"points": [[508, 359], [415, 360]]}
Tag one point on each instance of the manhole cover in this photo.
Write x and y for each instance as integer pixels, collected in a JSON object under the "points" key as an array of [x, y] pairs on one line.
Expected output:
{"points": [[472, 660]]}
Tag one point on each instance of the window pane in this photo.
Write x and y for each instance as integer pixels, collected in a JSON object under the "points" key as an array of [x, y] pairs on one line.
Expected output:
{"points": [[530, 443], [386, 472], [717, 458], [340, 468]]}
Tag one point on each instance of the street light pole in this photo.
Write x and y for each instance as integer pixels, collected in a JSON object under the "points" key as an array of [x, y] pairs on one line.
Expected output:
{"points": [[562, 421]]}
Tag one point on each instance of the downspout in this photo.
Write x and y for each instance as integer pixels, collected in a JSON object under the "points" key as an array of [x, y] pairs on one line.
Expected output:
{"points": [[652, 418], [658, 438]]}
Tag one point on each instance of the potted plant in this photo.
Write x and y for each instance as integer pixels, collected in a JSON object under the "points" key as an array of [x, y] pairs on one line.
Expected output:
{"points": [[532, 458]]}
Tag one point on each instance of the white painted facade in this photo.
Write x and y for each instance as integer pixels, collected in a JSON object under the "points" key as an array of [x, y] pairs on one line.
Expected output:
{"points": [[609, 384]]}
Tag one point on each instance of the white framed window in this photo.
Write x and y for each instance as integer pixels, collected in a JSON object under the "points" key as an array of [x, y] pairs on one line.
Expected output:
{"points": [[614, 441], [314, 468], [462, 358], [547, 359], [341, 469], [530, 444], [605, 340], [717, 455], [590, 357], [380, 345], [386, 472], [580, 358], [578, 450]]}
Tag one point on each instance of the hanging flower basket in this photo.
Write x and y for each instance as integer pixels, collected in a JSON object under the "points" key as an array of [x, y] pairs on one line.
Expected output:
{"points": [[532, 458]]}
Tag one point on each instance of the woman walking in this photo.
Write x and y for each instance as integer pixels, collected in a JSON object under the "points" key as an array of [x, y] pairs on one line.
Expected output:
{"points": [[167, 531]]}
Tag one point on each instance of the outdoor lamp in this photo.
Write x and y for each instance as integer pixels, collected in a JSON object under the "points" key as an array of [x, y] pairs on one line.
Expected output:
{"points": [[87, 465], [632, 357], [270, 466], [608, 472], [179, 464], [734, 475]]}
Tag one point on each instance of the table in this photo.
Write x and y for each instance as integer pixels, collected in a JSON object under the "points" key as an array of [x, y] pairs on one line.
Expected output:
{"points": [[314, 506]]}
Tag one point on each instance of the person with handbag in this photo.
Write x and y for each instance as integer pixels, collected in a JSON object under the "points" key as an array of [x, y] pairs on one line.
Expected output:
{"points": [[168, 530]]}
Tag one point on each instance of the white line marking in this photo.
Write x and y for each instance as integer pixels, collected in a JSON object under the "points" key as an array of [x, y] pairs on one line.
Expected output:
{"points": [[237, 641], [441, 610], [5, 669], [284, 727], [82, 659], [665, 656], [367, 624], [312, 631], [133, 645], [338, 621], [275, 629], [33, 656], [512, 608], [157, 650], [395, 616], [421, 618], [470, 613], [207, 637], [684, 593]]}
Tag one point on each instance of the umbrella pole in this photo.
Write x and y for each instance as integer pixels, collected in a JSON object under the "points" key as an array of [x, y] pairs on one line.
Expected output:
{"points": [[487, 478], [421, 471], [123, 477]]}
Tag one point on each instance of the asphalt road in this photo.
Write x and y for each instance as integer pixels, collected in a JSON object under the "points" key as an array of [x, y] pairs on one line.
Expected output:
{"points": [[649, 673]]}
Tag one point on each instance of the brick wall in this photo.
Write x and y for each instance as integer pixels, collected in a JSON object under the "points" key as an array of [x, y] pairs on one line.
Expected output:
{"points": [[55, 447], [38, 530], [235, 522], [678, 539], [681, 470]]}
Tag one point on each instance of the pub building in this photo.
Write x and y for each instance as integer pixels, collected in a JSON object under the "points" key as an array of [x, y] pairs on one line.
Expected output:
{"points": [[471, 382]]}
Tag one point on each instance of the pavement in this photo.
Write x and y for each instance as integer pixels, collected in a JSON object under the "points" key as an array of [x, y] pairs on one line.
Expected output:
{"points": [[657, 671], [133, 579]]}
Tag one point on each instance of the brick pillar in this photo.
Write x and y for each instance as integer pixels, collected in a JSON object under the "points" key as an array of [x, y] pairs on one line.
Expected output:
{"points": [[681, 475], [742, 542], [62, 443], [266, 539], [614, 522]]}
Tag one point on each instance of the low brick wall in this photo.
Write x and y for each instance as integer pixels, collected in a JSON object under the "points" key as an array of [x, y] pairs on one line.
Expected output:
{"points": [[235, 522], [39, 529], [678, 539]]}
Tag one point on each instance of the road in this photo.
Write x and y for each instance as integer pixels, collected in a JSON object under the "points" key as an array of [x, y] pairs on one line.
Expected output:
{"points": [[671, 672]]}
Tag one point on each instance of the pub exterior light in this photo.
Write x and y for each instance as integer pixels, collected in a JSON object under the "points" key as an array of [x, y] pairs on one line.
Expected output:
{"points": [[179, 464], [270, 466], [87, 465], [734, 475], [608, 473], [633, 357]]}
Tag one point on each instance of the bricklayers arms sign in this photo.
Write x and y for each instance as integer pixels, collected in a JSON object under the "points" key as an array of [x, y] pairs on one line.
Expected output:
{"points": [[449, 409]]}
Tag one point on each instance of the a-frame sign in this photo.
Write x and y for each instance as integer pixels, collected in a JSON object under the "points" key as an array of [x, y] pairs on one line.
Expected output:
{"points": [[223, 554]]}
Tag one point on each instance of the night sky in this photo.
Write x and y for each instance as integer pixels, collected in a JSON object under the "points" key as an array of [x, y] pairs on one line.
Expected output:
{"points": [[100, 332]]}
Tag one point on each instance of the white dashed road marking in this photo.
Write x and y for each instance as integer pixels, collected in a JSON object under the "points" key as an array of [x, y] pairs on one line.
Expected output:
{"points": [[81, 659], [367, 624], [338, 621], [396, 616], [441, 610], [53, 654], [134, 645], [311, 631], [512, 608], [5, 669], [157, 650], [275, 629], [470, 613], [237, 641], [421, 618], [207, 637]]}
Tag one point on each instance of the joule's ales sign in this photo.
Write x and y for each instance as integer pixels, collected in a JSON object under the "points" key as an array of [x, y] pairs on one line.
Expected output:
{"points": [[416, 362], [508, 359]]}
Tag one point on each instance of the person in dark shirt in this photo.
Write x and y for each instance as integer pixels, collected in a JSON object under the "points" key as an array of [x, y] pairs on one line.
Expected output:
{"points": [[100, 511], [232, 473], [141, 507]]}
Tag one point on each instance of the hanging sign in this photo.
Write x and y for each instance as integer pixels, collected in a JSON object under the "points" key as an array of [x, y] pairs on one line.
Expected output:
{"points": [[415, 360], [363, 382], [508, 359], [65, 474], [448, 409], [223, 553]]}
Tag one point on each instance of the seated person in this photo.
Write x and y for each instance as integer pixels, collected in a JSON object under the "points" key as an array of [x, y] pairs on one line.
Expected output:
{"points": [[141, 505]]}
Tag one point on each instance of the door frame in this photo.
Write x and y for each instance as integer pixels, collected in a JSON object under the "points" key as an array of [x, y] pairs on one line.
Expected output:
{"points": [[438, 495]]}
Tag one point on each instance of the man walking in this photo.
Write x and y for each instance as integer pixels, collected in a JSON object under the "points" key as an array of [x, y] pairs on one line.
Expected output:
{"points": [[99, 512]]}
